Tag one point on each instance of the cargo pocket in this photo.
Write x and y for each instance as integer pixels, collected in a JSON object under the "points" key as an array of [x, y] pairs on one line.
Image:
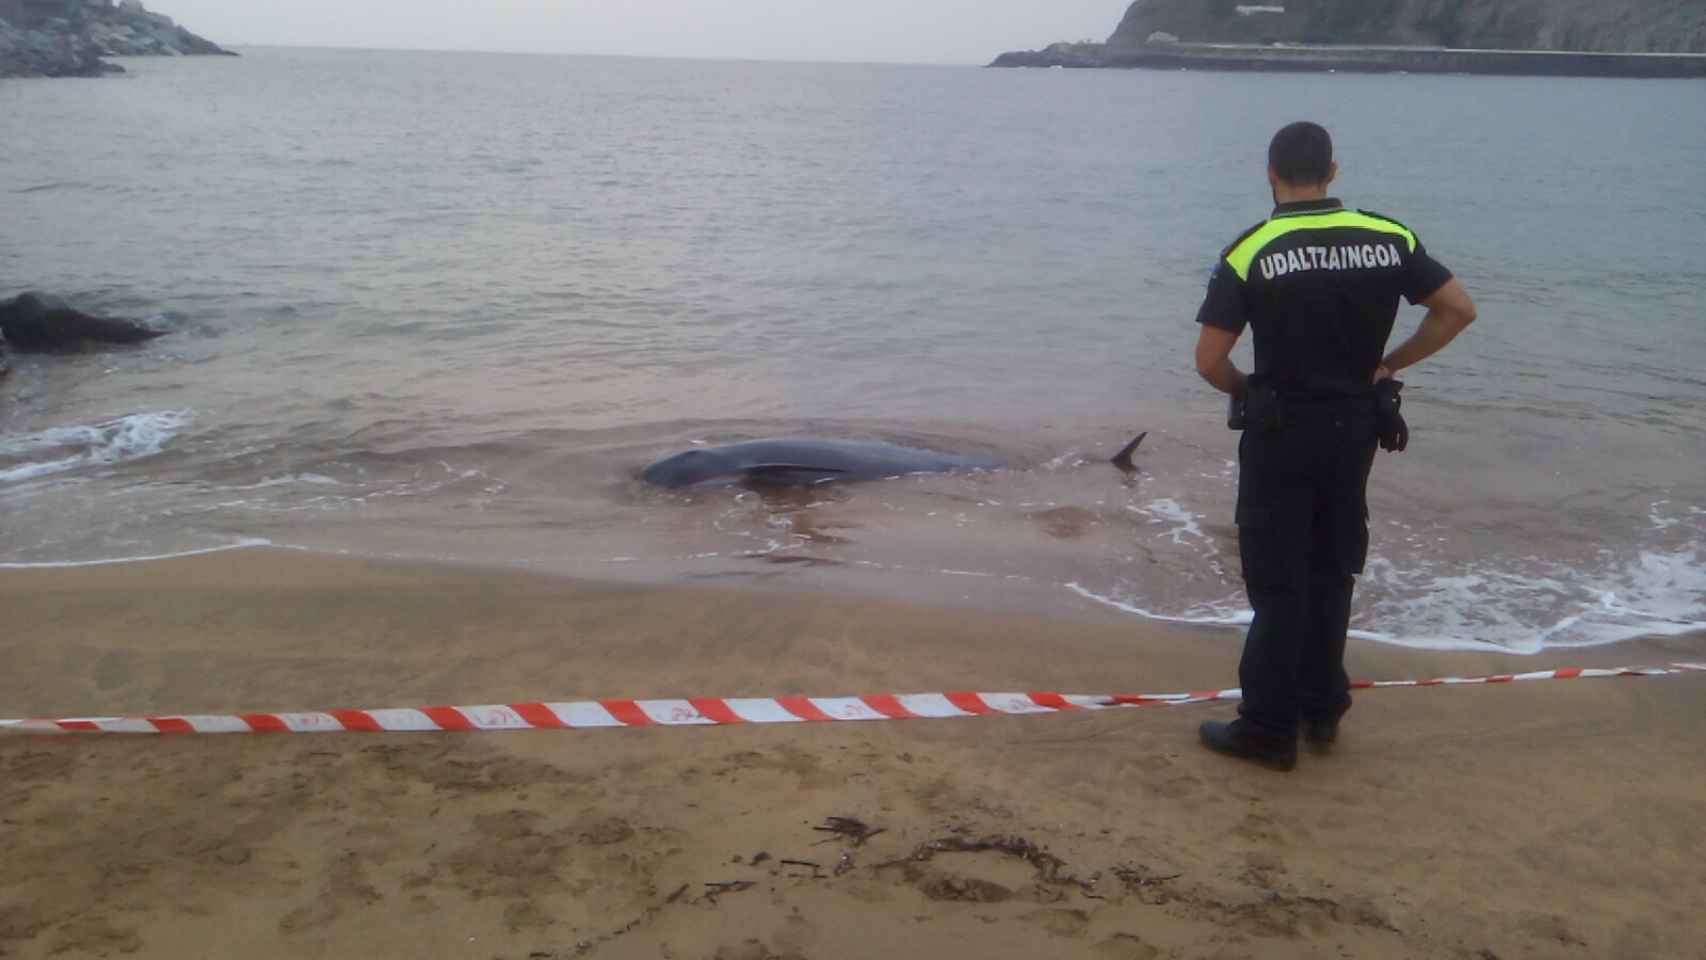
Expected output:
{"points": [[1274, 552], [1348, 525]]}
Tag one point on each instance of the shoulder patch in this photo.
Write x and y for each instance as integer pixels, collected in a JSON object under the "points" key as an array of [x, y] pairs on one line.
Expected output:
{"points": [[1381, 216], [1242, 237], [1409, 235], [1226, 253]]}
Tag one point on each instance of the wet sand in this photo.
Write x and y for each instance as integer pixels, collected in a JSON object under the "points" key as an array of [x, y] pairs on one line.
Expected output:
{"points": [[1557, 819]]}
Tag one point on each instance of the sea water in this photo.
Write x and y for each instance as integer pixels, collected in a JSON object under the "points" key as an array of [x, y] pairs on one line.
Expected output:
{"points": [[444, 306]]}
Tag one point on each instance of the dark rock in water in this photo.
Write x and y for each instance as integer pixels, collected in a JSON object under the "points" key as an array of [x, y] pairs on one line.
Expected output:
{"points": [[33, 321]]}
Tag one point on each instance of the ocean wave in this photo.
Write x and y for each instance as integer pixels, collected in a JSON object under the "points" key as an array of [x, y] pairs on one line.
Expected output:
{"points": [[287, 480], [59, 449], [1656, 594], [1225, 614], [243, 544], [53, 185]]}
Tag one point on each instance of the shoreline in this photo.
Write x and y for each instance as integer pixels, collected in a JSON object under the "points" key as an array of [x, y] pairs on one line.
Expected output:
{"points": [[824, 580], [1302, 58], [1108, 834], [258, 584]]}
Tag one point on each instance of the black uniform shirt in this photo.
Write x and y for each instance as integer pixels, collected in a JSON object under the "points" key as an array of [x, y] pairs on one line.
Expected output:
{"points": [[1318, 285]]}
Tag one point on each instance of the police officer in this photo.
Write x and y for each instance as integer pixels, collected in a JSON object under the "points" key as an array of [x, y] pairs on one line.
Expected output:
{"points": [[1318, 286]]}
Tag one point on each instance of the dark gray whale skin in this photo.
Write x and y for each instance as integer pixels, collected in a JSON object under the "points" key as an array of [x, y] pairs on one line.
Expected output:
{"points": [[804, 462], [34, 321]]}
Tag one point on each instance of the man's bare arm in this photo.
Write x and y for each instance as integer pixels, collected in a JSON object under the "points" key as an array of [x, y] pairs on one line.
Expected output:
{"points": [[1449, 311], [1214, 359]]}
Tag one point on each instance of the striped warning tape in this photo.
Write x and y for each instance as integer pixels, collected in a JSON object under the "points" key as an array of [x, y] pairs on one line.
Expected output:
{"points": [[711, 711]]}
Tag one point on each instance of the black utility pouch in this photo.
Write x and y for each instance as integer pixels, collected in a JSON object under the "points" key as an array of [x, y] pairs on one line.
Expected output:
{"points": [[1264, 407]]}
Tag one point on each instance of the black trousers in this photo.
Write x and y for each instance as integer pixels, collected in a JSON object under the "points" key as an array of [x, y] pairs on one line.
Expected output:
{"points": [[1303, 538]]}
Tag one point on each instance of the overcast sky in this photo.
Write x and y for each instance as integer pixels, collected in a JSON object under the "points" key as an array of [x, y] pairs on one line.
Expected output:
{"points": [[907, 31]]}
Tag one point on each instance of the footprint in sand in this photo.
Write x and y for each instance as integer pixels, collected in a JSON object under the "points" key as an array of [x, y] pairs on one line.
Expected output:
{"points": [[600, 830], [524, 915], [796, 935], [93, 937], [1061, 923], [752, 950], [1125, 946], [345, 883]]}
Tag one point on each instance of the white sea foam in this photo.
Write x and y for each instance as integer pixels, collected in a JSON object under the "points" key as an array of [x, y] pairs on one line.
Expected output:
{"points": [[59, 449], [289, 480], [1540, 604], [1656, 594], [1171, 511], [1227, 614], [1066, 461]]}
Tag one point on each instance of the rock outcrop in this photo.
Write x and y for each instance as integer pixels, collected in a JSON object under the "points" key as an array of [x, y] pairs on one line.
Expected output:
{"points": [[68, 38], [1056, 55], [1576, 36], [34, 321], [1597, 26]]}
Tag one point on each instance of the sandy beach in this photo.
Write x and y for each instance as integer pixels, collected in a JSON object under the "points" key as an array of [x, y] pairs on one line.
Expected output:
{"points": [[1555, 819]]}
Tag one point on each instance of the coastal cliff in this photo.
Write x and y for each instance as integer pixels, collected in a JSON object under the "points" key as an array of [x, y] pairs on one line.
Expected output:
{"points": [[1596, 26], [1591, 37], [68, 38]]}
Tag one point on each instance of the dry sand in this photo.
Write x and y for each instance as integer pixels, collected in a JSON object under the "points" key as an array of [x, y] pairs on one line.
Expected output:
{"points": [[1539, 820]]}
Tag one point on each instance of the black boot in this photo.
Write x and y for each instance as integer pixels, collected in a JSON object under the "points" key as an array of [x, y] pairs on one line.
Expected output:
{"points": [[1320, 731], [1237, 739]]}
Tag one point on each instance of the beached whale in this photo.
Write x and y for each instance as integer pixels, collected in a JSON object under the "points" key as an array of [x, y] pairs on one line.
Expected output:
{"points": [[806, 461], [35, 321]]}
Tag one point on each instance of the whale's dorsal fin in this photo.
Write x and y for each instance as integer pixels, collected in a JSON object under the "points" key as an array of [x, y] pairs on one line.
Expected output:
{"points": [[1123, 458]]}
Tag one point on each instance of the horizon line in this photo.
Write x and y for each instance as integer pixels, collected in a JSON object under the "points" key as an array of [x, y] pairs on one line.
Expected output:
{"points": [[702, 58]]}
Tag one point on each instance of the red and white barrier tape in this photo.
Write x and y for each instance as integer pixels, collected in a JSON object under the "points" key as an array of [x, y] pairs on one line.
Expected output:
{"points": [[710, 711]]}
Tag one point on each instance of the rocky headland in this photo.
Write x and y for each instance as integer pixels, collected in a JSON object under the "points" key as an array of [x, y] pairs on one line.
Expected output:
{"points": [[1584, 37], [69, 38], [41, 322]]}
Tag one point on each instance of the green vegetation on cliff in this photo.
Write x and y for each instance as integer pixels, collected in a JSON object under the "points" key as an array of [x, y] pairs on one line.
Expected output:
{"points": [[1618, 26]]}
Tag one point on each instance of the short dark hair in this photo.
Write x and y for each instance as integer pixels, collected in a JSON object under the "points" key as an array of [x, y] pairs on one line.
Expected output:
{"points": [[1301, 152]]}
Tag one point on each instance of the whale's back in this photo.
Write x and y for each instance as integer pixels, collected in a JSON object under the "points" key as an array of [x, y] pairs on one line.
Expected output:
{"points": [[806, 461]]}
